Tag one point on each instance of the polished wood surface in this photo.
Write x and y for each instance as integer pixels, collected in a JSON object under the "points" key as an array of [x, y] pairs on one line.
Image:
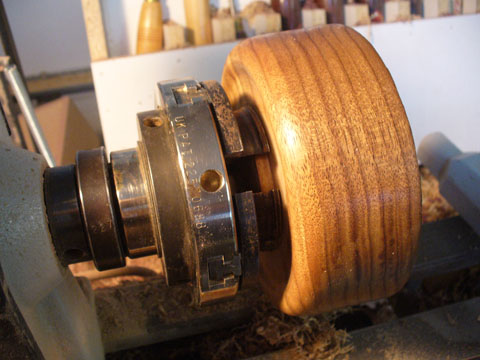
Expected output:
{"points": [[150, 28], [344, 160]]}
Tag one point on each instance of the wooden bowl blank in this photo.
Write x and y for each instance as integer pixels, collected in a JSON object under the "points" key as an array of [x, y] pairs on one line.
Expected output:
{"points": [[344, 160]]}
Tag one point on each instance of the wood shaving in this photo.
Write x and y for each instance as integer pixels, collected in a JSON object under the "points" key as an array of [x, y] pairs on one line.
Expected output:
{"points": [[312, 337], [255, 8], [434, 205]]}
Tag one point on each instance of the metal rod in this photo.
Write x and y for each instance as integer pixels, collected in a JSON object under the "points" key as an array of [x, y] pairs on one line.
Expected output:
{"points": [[8, 41], [15, 80]]}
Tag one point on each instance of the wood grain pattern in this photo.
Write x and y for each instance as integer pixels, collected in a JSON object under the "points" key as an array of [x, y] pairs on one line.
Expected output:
{"points": [[344, 160]]}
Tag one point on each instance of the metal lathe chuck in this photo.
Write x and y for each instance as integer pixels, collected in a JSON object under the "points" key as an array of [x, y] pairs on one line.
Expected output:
{"points": [[190, 192]]}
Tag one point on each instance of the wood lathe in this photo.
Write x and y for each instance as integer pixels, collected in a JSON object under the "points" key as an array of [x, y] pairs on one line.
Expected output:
{"points": [[298, 172]]}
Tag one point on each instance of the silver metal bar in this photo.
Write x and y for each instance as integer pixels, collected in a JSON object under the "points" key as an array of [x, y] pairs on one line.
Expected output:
{"points": [[23, 99]]}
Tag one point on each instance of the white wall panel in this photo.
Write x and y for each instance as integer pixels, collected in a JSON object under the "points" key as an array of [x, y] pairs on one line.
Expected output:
{"points": [[435, 64]]}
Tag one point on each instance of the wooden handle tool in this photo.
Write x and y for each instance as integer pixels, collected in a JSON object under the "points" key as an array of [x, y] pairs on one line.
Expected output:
{"points": [[199, 24], [150, 27]]}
